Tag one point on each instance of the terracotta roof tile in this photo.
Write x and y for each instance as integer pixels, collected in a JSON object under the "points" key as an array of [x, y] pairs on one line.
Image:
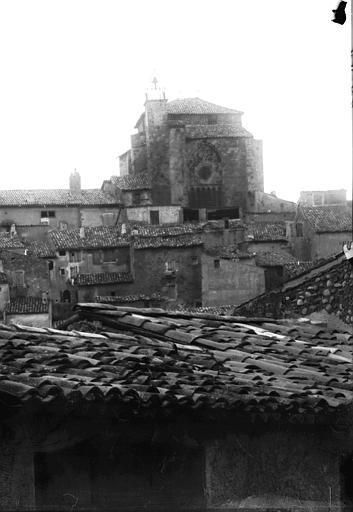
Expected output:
{"points": [[154, 242], [236, 365], [10, 242], [41, 249], [93, 237], [215, 131], [324, 219], [266, 231], [124, 299], [103, 278], [197, 106], [54, 197], [132, 181], [274, 258], [26, 305]]}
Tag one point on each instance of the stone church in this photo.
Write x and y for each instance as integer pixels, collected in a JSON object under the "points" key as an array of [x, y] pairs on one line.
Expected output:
{"points": [[189, 160]]}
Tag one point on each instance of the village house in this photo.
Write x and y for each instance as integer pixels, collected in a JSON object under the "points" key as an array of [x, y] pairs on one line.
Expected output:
{"points": [[35, 212], [325, 288], [323, 222], [158, 410]]}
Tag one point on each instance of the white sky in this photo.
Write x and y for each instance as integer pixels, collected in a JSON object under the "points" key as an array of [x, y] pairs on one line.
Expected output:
{"points": [[74, 75]]}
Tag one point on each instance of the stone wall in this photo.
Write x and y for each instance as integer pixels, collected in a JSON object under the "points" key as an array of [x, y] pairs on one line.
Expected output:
{"points": [[35, 274], [327, 287], [232, 282], [167, 214]]}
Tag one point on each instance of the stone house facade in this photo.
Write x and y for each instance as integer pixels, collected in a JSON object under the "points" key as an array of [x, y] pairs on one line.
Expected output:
{"points": [[325, 288], [33, 212], [321, 226], [158, 410]]}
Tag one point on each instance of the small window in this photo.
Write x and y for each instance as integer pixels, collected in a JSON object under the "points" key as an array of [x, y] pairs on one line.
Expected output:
{"points": [[154, 217], [62, 253], [109, 255], [112, 294], [62, 271], [51, 213], [44, 214], [171, 289], [216, 263], [170, 266], [299, 229], [74, 272], [212, 119], [194, 260], [75, 256], [50, 265], [96, 258], [19, 278]]}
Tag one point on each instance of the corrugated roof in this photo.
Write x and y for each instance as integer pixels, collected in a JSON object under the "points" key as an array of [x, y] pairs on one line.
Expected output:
{"points": [[157, 361], [325, 219], [54, 197], [197, 106], [26, 305]]}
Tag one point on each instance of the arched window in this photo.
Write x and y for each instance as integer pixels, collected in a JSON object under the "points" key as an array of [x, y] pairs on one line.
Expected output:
{"points": [[66, 296]]}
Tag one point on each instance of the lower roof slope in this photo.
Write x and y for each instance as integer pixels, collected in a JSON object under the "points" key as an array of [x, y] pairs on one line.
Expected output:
{"points": [[154, 361]]}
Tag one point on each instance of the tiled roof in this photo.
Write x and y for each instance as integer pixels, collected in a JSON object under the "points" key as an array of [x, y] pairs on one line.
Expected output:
{"points": [[150, 361], [274, 258], [3, 277], [154, 242], [266, 231], [324, 219], [132, 181], [10, 242], [26, 305], [197, 106], [182, 229], [41, 249], [103, 278], [228, 252], [94, 237], [122, 299], [54, 197], [214, 131]]}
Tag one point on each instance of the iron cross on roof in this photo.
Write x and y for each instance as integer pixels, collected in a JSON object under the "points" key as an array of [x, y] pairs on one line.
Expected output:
{"points": [[155, 82]]}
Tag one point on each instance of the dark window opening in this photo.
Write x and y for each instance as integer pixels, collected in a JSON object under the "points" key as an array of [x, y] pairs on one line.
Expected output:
{"points": [[232, 213], [109, 255], [50, 265], [194, 260], [96, 258], [19, 278], [212, 119], [216, 263], [190, 215], [205, 197], [47, 213], [112, 294], [62, 253], [299, 229], [205, 172], [62, 271], [66, 296], [154, 217]]}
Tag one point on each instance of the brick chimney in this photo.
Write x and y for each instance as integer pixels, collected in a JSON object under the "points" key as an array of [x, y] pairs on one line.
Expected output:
{"points": [[82, 232], [75, 182]]}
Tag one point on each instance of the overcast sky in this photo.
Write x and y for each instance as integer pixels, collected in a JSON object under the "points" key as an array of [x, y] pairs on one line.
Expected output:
{"points": [[74, 75]]}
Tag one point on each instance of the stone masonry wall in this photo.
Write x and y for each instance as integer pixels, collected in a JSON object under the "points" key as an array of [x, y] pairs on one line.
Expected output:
{"points": [[328, 288]]}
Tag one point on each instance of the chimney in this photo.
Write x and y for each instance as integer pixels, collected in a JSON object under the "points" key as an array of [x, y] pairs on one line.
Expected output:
{"points": [[123, 229], [75, 182], [273, 193], [1, 266], [82, 232], [13, 230]]}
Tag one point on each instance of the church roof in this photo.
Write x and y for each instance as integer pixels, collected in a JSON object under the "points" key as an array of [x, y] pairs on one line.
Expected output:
{"points": [[197, 106]]}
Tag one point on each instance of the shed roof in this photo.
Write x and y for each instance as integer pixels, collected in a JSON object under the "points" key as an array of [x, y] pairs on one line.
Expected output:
{"points": [[26, 305]]}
